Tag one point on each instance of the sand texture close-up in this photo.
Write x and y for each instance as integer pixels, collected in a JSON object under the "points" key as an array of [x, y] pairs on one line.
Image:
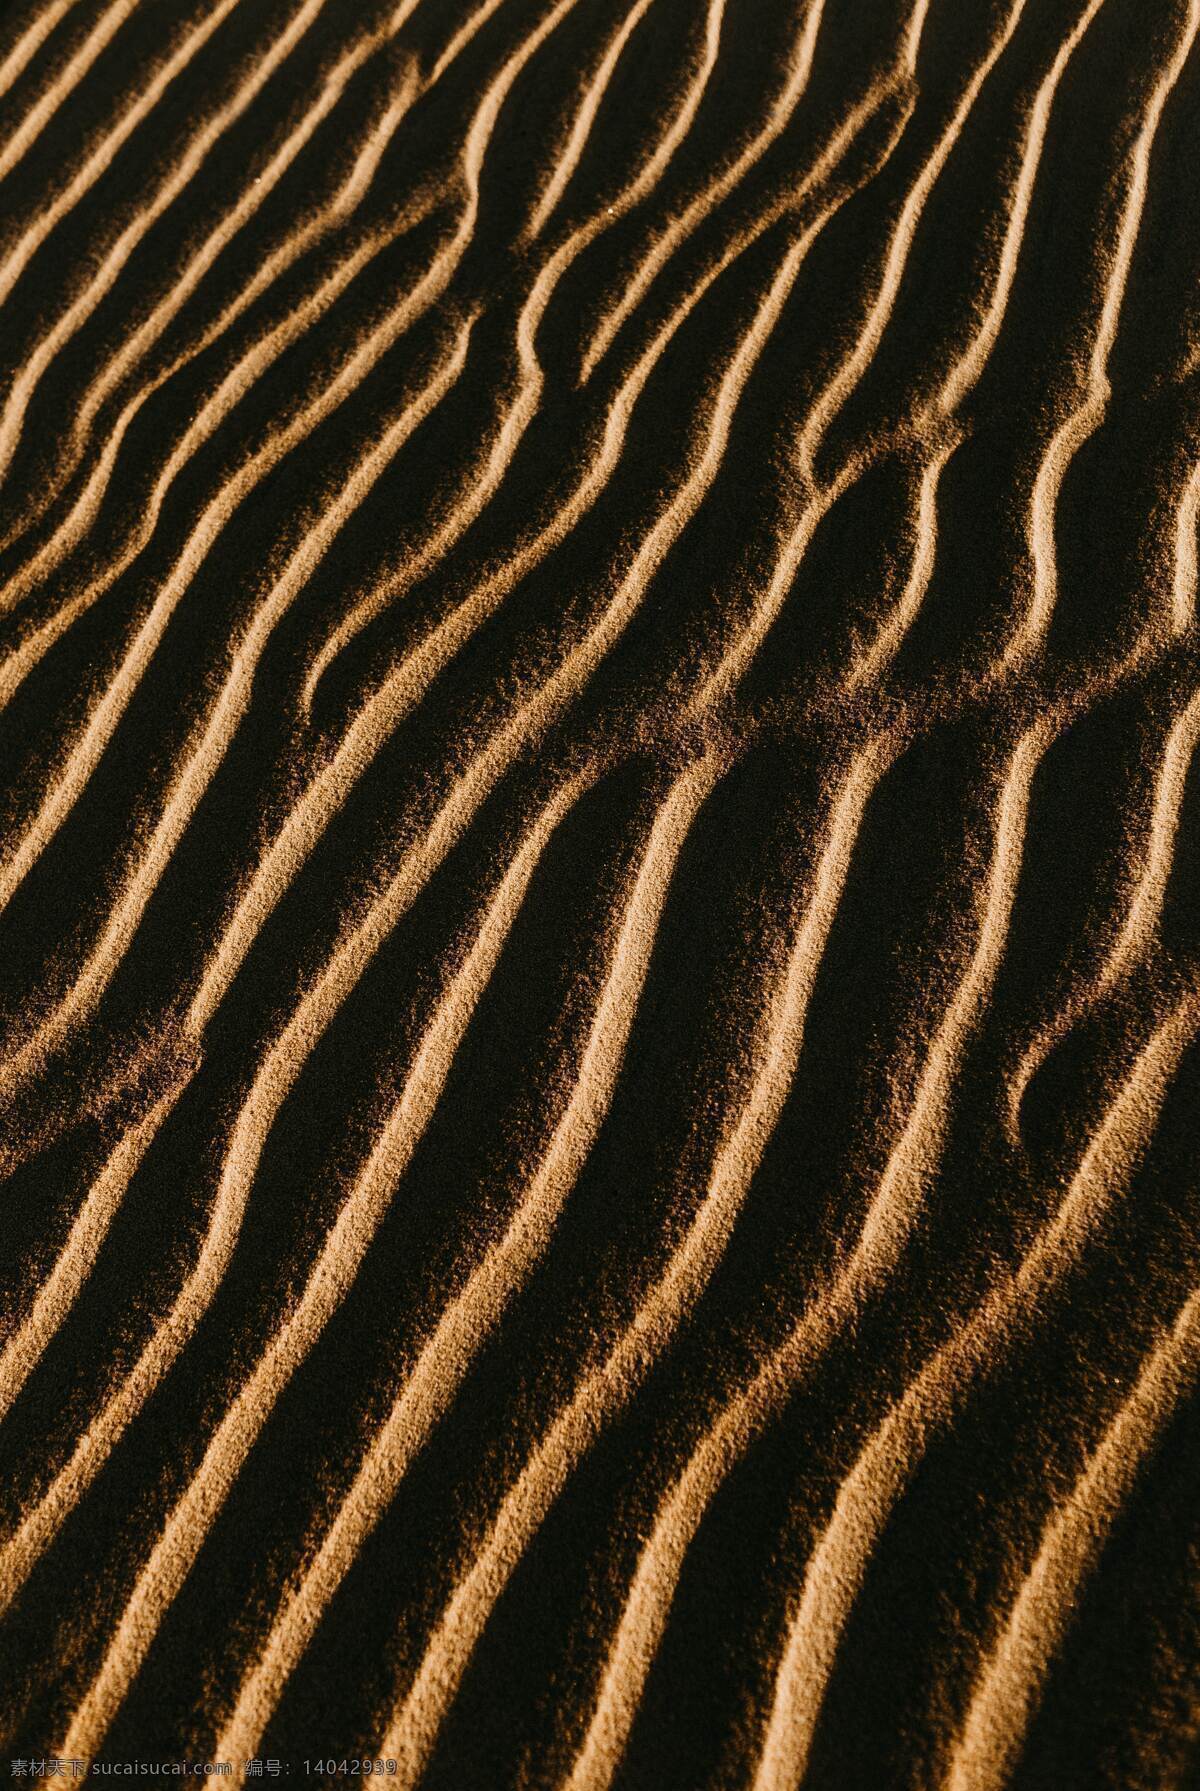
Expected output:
{"points": [[600, 893]]}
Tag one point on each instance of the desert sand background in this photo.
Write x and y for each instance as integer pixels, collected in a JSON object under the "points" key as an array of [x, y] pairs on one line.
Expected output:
{"points": [[599, 889]]}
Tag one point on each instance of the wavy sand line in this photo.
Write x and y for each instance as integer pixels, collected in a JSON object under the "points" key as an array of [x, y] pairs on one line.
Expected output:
{"points": [[587, 112], [1010, 1683], [606, 1389], [253, 362], [897, 1203], [225, 1221], [979, 1745], [483, 121], [463, 37], [135, 345], [823, 494], [335, 211], [472, 1314], [311, 812], [486, 597], [712, 195], [891, 1215], [913, 35], [73, 1265], [261, 354], [741, 651], [116, 258], [1183, 583], [47, 104], [745, 646], [1087, 416], [282, 1064], [1145, 910], [17, 260], [82, 758], [643, 1618], [30, 42], [967, 370], [869, 664], [850, 373], [428, 289], [192, 1518], [478, 135], [382, 713], [1139, 930], [231, 703], [274, 1080], [669, 142], [931, 425], [886, 1464], [523, 407], [718, 189]]}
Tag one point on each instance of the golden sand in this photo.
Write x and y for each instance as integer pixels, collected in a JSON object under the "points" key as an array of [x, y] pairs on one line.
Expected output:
{"points": [[598, 699]]}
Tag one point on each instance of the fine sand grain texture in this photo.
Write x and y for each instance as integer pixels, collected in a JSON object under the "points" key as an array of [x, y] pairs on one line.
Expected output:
{"points": [[600, 892]]}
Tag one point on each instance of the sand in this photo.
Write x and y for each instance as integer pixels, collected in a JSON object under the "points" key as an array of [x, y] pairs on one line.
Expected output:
{"points": [[600, 1028]]}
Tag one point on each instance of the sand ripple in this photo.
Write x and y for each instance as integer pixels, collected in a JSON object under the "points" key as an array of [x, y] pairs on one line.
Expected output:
{"points": [[599, 696]]}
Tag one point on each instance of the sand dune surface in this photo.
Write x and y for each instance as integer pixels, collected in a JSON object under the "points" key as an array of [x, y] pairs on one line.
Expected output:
{"points": [[600, 892]]}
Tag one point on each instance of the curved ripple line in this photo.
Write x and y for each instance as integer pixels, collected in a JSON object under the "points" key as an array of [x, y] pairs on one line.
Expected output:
{"points": [[200, 146], [680, 228], [73, 1265], [821, 495], [35, 234], [886, 1464], [1086, 417], [478, 136], [439, 273], [43, 109], [234, 385], [282, 1064], [585, 116], [250, 366], [1139, 930], [471, 1315], [1183, 584], [278, 1072], [530, 383], [1009, 1685], [967, 369], [604, 1390], [271, 1086], [890, 1217], [29, 43], [185, 283], [1013, 1662], [232, 700], [383, 712], [332, 213], [849, 374], [939, 427], [191, 1519]]}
